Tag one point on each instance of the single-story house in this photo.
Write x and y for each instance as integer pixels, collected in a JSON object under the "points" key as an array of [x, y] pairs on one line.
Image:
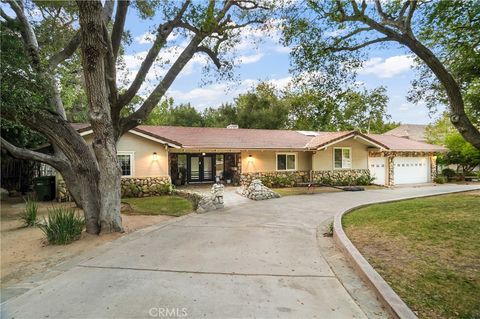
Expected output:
{"points": [[200, 154]]}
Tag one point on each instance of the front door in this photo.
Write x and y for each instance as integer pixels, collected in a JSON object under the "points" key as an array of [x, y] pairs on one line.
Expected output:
{"points": [[200, 167]]}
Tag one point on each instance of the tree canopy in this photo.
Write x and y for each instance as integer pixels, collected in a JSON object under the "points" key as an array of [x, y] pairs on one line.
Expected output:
{"points": [[330, 41]]}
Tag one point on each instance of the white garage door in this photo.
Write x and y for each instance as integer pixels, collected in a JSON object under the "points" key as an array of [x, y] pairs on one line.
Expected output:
{"points": [[378, 169], [411, 170]]}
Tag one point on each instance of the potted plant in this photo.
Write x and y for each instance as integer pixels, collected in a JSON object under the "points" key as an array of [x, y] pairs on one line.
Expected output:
{"points": [[182, 172], [228, 174]]}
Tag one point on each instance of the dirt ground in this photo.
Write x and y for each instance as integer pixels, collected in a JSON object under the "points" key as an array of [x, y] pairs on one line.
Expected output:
{"points": [[24, 251]]}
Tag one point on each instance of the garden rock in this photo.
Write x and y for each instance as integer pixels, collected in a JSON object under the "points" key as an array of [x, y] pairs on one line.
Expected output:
{"points": [[257, 191], [212, 201]]}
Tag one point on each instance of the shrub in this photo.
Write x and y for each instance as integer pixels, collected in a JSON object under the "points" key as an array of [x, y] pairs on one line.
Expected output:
{"points": [[29, 215], [440, 179], [449, 173], [364, 180], [278, 181], [63, 225]]}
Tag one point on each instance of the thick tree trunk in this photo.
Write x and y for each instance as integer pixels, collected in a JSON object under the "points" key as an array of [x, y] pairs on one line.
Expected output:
{"points": [[94, 52]]}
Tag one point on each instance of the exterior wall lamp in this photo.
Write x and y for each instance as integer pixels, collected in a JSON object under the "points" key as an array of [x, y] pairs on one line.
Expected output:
{"points": [[155, 156]]}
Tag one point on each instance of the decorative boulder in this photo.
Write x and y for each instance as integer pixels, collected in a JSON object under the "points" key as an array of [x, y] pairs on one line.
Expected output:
{"points": [[257, 191], [212, 201]]}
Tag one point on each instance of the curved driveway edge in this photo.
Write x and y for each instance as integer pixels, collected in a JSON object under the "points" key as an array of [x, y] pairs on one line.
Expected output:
{"points": [[387, 296]]}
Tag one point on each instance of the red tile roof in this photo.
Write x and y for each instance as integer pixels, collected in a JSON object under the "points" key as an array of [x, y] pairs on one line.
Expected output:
{"points": [[224, 138]]}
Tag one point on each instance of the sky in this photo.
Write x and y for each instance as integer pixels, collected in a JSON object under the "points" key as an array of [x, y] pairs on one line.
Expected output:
{"points": [[261, 57]]}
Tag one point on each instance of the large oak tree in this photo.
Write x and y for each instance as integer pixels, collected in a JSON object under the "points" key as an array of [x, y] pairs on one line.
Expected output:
{"points": [[329, 39], [97, 30]]}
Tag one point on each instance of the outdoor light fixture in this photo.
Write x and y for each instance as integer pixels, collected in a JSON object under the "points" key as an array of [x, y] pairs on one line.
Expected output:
{"points": [[250, 158], [155, 156], [203, 154]]}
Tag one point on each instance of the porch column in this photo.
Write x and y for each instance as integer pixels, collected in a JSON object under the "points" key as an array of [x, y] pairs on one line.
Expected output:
{"points": [[391, 170], [433, 167]]}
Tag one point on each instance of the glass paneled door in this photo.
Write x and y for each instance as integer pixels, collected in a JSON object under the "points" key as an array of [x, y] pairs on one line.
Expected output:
{"points": [[200, 167]]}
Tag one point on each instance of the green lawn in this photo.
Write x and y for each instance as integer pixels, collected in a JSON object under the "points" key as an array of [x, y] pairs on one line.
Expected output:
{"points": [[427, 249], [160, 205]]}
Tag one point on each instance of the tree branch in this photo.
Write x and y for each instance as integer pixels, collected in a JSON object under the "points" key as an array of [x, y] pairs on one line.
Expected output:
{"points": [[66, 52], [408, 21], [213, 55], [118, 26], [139, 115], [163, 31], [6, 16], [26, 154], [360, 46], [27, 32]]}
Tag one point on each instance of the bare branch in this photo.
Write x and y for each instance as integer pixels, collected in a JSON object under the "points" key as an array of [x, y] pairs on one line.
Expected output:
{"points": [[408, 21], [139, 115], [6, 16], [27, 32], [360, 46], [213, 55], [119, 25], [66, 52], [110, 68], [163, 31], [108, 10], [26, 154], [354, 32], [405, 6]]}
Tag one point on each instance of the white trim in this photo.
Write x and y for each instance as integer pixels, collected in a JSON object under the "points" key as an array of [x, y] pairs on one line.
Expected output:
{"points": [[132, 162], [139, 134], [351, 157], [346, 138], [86, 133], [286, 169], [153, 138]]}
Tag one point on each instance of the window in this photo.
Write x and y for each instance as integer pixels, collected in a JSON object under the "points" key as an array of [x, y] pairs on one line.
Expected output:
{"points": [[286, 161], [125, 160], [342, 157]]}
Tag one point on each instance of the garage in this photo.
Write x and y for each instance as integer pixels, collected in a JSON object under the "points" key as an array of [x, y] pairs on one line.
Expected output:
{"points": [[411, 170], [378, 169]]}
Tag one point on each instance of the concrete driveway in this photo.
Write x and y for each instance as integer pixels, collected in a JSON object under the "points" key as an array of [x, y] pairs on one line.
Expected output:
{"points": [[257, 259]]}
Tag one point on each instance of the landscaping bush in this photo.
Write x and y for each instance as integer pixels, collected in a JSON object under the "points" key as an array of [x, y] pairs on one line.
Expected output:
{"points": [[440, 179], [449, 173], [364, 180], [63, 225], [278, 181], [29, 215]]}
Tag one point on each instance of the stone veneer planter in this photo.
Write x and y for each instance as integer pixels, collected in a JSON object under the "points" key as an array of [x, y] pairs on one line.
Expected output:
{"points": [[298, 176], [339, 175], [131, 187]]}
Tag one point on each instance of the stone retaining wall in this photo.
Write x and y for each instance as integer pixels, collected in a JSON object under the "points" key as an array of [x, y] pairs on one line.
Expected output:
{"points": [[131, 187], [146, 186], [296, 176]]}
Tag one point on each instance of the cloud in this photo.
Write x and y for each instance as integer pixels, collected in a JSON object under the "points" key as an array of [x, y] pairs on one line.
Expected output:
{"points": [[387, 68], [248, 59], [149, 37], [215, 94]]}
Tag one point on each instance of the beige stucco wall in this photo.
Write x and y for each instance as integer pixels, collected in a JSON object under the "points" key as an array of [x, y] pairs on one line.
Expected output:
{"points": [[266, 161], [323, 160], [143, 150]]}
